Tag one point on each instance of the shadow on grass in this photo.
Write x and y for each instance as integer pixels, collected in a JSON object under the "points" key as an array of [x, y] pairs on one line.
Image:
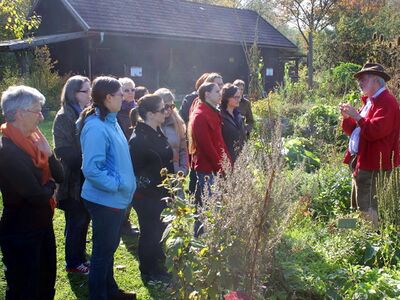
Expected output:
{"points": [[79, 285], [131, 244]]}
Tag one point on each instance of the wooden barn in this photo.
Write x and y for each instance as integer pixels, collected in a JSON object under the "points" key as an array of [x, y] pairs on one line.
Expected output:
{"points": [[158, 43]]}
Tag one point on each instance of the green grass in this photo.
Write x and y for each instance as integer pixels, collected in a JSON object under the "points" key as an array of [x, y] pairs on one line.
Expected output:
{"points": [[74, 286]]}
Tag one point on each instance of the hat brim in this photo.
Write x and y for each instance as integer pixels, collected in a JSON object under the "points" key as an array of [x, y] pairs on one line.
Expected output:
{"points": [[384, 75]]}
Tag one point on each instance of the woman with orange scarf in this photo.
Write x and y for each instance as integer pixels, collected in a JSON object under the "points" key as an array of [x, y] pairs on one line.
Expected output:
{"points": [[28, 175]]}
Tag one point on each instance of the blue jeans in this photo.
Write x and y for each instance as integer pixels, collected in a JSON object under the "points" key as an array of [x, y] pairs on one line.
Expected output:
{"points": [[106, 228], [30, 261], [76, 226]]}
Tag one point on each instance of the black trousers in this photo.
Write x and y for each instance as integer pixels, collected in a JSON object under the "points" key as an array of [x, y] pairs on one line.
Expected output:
{"points": [[151, 254], [30, 261]]}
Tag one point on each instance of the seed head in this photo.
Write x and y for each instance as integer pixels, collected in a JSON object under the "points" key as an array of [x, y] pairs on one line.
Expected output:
{"points": [[164, 172]]}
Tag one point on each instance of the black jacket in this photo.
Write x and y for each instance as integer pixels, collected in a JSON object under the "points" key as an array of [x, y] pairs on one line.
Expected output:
{"points": [[233, 132], [186, 105], [25, 199], [150, 152], [67, 148]]}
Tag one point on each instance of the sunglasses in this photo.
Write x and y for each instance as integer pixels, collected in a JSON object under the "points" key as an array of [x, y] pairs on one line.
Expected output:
{"points": [[169, 106], [129, 90]]}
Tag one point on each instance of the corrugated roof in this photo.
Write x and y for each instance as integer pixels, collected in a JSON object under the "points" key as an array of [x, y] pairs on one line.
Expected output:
{"points": [[177, 18]]}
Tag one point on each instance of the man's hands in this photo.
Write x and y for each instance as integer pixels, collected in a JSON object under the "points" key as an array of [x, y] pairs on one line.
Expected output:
{"points": [[349, 111]]}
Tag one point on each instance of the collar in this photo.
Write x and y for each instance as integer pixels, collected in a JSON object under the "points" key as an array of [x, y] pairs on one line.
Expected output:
{"points": [[110, 117], [214, 107], [378, 92]]}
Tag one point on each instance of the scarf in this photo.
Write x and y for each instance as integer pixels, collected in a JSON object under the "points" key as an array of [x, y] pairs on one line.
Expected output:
{"points": [[128, 105], [39, 159]]}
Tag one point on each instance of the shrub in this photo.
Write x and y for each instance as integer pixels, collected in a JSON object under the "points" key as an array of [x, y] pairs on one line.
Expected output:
{"points": [[295, 92], [242, 225], [298, 152], [320, 122], [41, 76], [334, 189]]}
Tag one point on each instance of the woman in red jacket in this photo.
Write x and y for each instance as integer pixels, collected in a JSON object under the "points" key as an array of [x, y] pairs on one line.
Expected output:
{"points": [[206, 143]]}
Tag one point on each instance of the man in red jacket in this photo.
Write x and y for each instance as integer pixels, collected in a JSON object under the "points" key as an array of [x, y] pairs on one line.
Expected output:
{"points": [[374, 137]]}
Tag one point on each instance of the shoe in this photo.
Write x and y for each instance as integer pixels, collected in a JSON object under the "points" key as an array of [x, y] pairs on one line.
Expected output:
{"points": [[87, 263], [122, 295], [82, 269]]}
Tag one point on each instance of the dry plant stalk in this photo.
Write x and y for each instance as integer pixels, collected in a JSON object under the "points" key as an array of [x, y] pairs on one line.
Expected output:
{"points": [[248, 211]]}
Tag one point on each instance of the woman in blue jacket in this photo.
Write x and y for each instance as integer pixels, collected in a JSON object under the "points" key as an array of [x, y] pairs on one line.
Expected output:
{"points": [[109, 183]]}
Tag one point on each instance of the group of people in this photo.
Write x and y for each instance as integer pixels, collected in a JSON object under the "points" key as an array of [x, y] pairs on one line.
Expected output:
{"points": [[111, 139]]}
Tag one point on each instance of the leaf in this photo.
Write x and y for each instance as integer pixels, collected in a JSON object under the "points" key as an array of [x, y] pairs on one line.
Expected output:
{"points": [[166, 232]]}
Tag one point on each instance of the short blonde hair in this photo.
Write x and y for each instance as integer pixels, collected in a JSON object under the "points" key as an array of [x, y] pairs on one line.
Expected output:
{"points": [[125, 80]]}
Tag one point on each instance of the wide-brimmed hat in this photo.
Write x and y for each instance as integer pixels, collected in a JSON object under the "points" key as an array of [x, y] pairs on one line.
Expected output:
{"points": [[373, 68]]}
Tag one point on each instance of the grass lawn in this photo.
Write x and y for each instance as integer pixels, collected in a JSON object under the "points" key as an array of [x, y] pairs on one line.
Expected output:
{"points": [[126, 267]]}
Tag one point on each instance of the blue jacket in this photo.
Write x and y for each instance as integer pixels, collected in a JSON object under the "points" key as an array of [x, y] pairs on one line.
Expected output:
{"points": [[106, 163]]}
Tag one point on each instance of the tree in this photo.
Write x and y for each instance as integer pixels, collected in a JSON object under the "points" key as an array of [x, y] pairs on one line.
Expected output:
{"points": [[15, 20], [349, 37], [310, 17]]}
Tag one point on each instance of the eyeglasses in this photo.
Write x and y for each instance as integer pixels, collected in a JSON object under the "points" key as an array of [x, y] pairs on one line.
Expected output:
{"points": [[162, 110], [129, 90], [169, 106], [38, 113]]}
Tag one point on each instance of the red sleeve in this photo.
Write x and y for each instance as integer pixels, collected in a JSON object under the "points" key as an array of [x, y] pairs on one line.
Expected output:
{"points": [[201, 132], [348, 125], [380, 124]]}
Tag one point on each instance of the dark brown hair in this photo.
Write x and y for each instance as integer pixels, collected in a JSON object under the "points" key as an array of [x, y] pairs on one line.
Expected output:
{"points": [[228, 90], [102, 86], [205, 87], [148, 103], [140, 91]]}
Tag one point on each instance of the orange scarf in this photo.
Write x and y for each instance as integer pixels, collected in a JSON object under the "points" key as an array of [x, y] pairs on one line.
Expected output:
{"points": [[40, 159]]}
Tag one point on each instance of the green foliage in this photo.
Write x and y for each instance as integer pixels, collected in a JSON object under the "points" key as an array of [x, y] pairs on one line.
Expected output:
{"points": [[319, 122], [298, 153], [388, 193], [15, 22], [41, 76], [334, 188], [363, 282], [339, 81], [294, 92], [44, 77]]}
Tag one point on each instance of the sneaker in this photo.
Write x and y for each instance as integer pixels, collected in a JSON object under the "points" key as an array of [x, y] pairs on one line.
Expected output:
{"points": [[82, 269]]}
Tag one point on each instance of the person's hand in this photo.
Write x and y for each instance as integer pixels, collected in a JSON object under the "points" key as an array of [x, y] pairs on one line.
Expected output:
{"points": [[40, 141], [350, 111], [341, 108]]}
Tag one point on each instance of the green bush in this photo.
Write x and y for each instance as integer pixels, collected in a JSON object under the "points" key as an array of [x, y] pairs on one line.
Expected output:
{"points": [[41, 76], [334, 189], [339, 80], [320, 122], [299, 152]]}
